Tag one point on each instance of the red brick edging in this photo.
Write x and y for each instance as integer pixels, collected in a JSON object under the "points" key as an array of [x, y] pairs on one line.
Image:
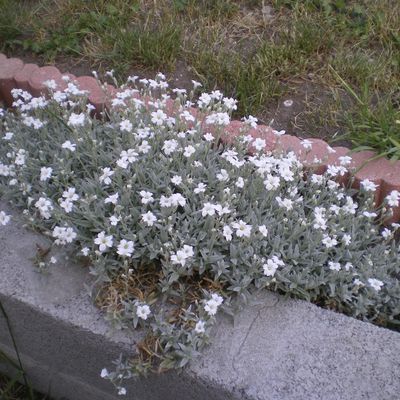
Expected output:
{"points": [[383, 172]]}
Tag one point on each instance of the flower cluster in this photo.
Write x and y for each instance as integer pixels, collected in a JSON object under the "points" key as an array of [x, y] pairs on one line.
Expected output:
{"points": [[149, 195]]}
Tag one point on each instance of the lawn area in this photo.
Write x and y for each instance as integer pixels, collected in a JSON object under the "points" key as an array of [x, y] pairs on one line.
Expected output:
{"points": [[338, 61]]}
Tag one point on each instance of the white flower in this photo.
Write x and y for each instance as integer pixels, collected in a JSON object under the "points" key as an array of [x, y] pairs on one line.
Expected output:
{"points": [[143, 311], [211, 306], [51, 84], [158, 117], [227, 232], [103, 241], [259, 144], [208, 137], [4, 170], [121, 391], [272, 182], [32, 122], [272, 265], [204, 100], [242, 229], [165, 201], [329, 241], [45, 173], [196, 84], [369, 214], [70, 194], [217, 298], [20, 157], [144, 147], [64, 235], [346, 239], [200, 188], [149, 218], [317, 179], [223, 176], [8, 136], [177, 200], [279, 133], [113, 199], [368, 185], [263, 230], [188, 250], [393, 198], [208, 209], [4, 218], [69, 146], [240, 182], [106, 175], [375, 284], [285, 203], [386, 233], [170, 146], [85, 251], [44, 206], [125, 126], [114, 220], [125, 248], [104, 373], [334, 266], [76, 119], [200, 327], [179, 258], [146, 197], [67, 205], [250, 120], [230, 103], [176, 180], [219, 118], [348, 266], [189, 150]]}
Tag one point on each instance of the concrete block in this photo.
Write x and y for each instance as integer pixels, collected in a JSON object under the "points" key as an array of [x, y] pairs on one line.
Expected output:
{"points": [[275, 349]]}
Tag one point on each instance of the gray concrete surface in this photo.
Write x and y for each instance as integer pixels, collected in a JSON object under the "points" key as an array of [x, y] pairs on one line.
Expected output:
{"points": [[276, 349]]}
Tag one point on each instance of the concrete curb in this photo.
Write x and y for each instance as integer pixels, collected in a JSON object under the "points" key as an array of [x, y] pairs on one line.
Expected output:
{"points": [[275, 349], [385, 173]]}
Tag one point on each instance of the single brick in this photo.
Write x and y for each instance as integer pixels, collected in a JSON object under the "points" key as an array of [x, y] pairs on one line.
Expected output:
{"points": [[23, 76], [231, 131], [391, 181], [95, 91], [41, 75], [287, 143], [8, 68], [102, 100], [363, 166], [170, 107]]}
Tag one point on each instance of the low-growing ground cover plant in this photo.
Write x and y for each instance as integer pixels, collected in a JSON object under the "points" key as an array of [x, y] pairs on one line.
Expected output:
{"points": [[176, 225]]}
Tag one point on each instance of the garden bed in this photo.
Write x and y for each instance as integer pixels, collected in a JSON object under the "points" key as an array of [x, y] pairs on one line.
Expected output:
{"points": [[309, 237]]}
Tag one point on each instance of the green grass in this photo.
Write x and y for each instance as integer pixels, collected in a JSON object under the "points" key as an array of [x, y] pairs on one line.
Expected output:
{"points": [[258, 54]]}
